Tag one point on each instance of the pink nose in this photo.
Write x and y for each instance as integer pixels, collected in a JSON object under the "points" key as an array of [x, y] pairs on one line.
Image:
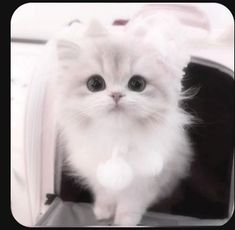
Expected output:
{"points": [[116, 96]]}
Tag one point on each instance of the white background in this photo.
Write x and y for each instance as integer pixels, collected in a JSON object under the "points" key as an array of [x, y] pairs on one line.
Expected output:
{"points": [[41, 20]]}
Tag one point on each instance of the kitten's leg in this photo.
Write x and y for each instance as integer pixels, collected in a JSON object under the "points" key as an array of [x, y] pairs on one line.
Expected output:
{"points": [[131, 207], [128, 215], [104, 207]]}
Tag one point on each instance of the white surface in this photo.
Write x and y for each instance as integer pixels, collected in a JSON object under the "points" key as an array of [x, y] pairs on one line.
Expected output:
{"points": [[42, 20], [23, 59], [36, 20]]}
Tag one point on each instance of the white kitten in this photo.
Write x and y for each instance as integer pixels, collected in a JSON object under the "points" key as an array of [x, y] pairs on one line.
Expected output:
{"points": [[118, 107]]}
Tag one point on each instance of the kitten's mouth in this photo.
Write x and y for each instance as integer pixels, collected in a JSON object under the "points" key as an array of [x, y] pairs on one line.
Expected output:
{"points": [[117, 108]]}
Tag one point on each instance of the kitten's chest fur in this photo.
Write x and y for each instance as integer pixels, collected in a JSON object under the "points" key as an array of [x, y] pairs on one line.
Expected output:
{"points": [[90, 147]]}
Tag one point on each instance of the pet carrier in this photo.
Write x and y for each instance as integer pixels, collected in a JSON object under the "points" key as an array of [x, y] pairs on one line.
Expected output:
{"points": [[204, 198]]}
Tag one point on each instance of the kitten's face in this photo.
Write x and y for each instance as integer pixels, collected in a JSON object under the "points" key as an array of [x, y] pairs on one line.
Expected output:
{"points": [[115, 76]]}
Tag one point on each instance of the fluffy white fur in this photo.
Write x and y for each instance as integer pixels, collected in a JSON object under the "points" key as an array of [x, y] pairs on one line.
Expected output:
{"points": [[135, 155]]}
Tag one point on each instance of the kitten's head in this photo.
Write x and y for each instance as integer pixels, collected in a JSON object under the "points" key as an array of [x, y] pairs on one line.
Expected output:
{"points": [[119, 73]]}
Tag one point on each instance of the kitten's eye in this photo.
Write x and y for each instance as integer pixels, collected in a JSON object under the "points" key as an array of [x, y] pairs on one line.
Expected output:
{"points": [[137, 83], [96, 83]]}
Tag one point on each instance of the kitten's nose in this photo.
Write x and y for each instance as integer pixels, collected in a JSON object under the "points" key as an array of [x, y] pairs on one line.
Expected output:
{"points": [[116, 96]]}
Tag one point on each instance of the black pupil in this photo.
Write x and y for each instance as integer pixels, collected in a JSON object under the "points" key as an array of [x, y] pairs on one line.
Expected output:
{"points": [[137, 83], [95, 83]]}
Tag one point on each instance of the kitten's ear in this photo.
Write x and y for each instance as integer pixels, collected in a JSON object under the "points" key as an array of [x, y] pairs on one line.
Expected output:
{"points": [[95, 28], [167, 35], [67, 50]]}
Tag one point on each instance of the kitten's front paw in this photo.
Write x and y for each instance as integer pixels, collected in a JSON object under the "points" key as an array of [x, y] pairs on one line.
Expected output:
{"points": [[103, 212], [127, 219]]}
